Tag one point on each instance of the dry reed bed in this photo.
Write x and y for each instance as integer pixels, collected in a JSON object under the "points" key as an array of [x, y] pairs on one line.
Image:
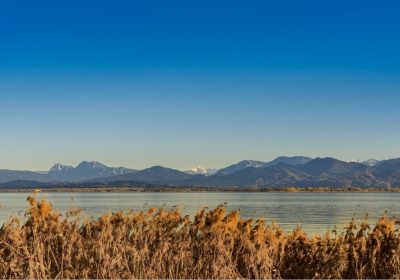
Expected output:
{"points": [[164, 244]]}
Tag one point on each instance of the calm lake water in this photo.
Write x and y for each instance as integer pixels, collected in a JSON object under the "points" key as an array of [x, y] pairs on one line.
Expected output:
{"points": [[316, 212]]}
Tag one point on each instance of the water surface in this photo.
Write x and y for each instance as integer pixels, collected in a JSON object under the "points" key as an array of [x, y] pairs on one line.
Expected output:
{"points": [[316, 212]]}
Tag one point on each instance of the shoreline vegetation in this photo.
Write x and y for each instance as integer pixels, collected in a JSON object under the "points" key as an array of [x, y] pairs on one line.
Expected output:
{"points": [[199, 189], [167, 245]]}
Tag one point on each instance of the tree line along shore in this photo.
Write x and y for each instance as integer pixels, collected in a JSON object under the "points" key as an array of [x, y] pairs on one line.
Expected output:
{"points": [[197, 189]]}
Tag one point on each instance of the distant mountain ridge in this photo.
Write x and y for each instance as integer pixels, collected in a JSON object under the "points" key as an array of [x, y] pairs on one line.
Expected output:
{"points": [[297, 171], [240, 165], [15, 175], [153, 175], [329, 166], [64, 173], [84, 171], [295, 160]]}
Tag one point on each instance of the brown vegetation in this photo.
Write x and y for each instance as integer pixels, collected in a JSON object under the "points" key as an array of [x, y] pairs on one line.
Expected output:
{"points": [[164, 244]]}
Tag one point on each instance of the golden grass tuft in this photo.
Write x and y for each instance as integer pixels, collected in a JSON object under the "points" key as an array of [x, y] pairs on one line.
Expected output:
{"points": [[165, 244]]}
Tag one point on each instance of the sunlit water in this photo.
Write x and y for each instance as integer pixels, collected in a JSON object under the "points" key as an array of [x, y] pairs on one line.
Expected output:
{"points": [[316, 212]]}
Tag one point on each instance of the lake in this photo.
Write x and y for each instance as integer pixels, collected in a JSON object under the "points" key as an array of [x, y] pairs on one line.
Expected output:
{"points": [[316, 212]]}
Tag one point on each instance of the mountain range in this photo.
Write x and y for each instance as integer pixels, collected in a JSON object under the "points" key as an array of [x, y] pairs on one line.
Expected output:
{"points": [[64, 173], [297, 171]]}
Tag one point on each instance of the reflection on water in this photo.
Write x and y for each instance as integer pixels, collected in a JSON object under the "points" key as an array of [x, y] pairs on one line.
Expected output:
{"points": [[316, 212]]}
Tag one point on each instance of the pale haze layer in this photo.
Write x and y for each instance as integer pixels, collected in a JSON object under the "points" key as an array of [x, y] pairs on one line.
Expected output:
{"points": [[205, 83]]}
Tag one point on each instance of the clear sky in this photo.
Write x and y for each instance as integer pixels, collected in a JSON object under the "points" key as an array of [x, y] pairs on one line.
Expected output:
{"points": [[182, 83]]}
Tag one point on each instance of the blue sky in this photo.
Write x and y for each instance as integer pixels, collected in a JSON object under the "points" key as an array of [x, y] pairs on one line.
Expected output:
{"points": [[181, 83]]}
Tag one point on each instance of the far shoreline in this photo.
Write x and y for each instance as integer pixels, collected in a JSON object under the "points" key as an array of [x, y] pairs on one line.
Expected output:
{"points": [[171, 189]]}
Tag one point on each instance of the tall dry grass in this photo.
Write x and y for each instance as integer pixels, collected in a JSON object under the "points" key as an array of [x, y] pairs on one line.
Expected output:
{"points": [[165, 244]]}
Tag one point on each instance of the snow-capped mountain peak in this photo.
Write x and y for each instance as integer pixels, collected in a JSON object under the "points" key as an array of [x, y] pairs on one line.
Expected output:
{"points": [[202, 170], [369, 162], [60, 167], [199, 169]]}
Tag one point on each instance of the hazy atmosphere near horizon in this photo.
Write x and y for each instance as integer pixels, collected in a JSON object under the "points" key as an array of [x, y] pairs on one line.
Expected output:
{"points": [[182, 83]]}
